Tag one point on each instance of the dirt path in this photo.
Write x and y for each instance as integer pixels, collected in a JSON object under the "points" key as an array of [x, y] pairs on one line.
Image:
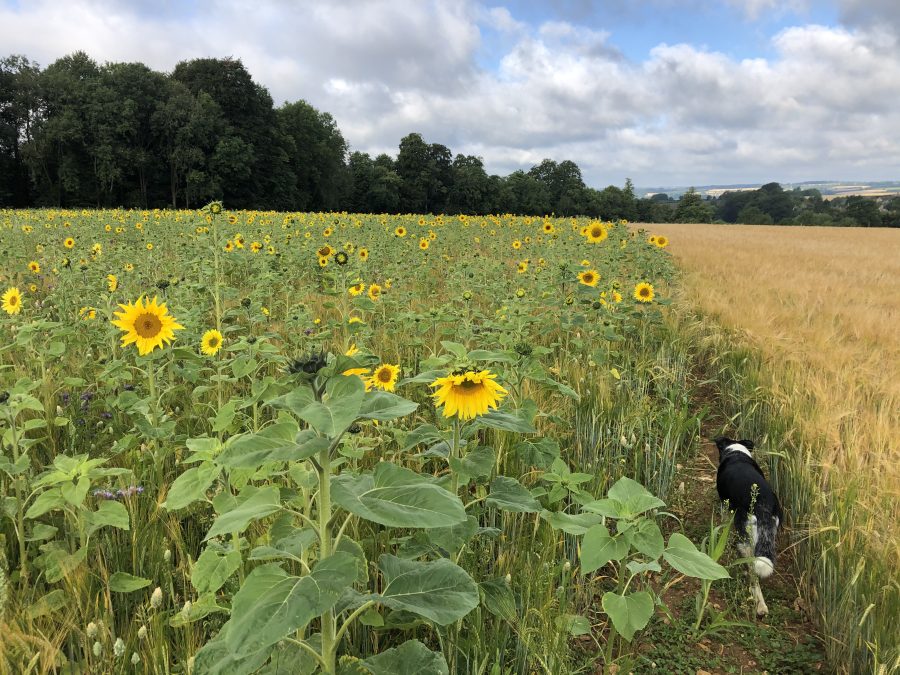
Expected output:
{"points": [[784, 642]]}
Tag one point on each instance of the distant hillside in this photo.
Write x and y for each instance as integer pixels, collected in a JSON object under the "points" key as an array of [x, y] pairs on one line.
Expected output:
{"points": [[829, 189]]}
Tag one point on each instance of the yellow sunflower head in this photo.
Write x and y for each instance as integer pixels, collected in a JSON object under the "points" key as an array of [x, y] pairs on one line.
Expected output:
{"points": [[211, 342], [69, 243], [595, 232], [400, 231], [589, 277], [662, 241], [374, 292], [424, 243], [643, 292], [12, 301], [112, 282], [363, 254], [469, 394], [35, 267], [385, 377], [147, 324]]}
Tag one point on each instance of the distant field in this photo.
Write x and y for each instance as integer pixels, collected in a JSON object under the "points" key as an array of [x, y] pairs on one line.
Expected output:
{"points": [[821, 304]]}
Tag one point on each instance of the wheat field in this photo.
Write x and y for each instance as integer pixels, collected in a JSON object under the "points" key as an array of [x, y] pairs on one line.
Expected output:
{"points": [[820, 306]]}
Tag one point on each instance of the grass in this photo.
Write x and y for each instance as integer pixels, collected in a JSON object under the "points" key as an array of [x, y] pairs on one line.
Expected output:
{"points": [[799, 329]]}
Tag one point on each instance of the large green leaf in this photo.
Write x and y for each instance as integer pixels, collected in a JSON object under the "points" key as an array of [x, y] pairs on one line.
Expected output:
{"points": [[383, 406], [261, 503], [397, 497], [633, 496], [510, 495], [281, 442], [571, 523], [334, 415], [410, 657], [439, 590], [47, 501], [111, 513], [295, 400], [191, 486], [272, 604], [216, 659], [599, 548], [629, 613], [684, 557], [646, 538], [122, 582], [497, 597], [479, 462], [213, 568], [506, 422]]}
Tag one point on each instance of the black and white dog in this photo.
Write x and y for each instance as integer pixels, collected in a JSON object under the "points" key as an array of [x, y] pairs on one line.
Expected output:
{"points": [[757, 529]]}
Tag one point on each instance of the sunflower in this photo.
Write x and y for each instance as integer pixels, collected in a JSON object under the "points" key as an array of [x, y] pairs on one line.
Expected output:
{"points": [[662, 241], [129, 267], [232, 219], [325, 251], [424, 244], [548, 228], [589, 277], [643, 292], [255, 247], [467, 395], [34, 266], [517, 244], [323, 262], [112, 282], [374, 292], [229, 246], [652, 240], [363, 254], [385, 377], [146, 324], [595, 232], [523, 267], [341, 258], [69, 243], [400, 231], [12, 301], [149, 246], [356, 289], [211, 342]]}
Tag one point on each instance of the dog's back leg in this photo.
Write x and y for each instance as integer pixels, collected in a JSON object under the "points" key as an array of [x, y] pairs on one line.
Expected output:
{"points": [[747, 549]]}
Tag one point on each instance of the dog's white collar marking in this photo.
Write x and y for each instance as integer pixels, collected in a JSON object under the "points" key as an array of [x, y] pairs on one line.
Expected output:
{"points": [[737, 447]]}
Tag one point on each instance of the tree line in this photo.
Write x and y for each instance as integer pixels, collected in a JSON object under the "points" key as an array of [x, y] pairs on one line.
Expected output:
{"points": [[78, 133]]}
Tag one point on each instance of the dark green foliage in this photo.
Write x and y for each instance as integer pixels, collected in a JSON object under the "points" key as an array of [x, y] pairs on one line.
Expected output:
{"points": [[120, 134]]}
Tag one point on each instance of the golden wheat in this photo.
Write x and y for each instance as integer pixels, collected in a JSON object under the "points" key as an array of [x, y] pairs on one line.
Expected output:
{"points": [[822, 305]]}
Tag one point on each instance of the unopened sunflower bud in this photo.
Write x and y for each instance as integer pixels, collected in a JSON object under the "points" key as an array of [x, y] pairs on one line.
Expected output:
{"points": [[157, 598]]}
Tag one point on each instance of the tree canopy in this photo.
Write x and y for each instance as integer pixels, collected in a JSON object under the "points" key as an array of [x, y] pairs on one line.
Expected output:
{"points": [[78, 133]]}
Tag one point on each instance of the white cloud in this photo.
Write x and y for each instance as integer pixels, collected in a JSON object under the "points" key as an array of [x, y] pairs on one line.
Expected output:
{"points": [[820, 105]]}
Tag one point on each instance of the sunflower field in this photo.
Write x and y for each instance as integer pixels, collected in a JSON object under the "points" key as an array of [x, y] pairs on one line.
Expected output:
{"points": [[239, 442]]}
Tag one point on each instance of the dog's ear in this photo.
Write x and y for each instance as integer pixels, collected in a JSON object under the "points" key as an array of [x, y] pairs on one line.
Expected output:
{"points": [[722, 442], [747, 444]]}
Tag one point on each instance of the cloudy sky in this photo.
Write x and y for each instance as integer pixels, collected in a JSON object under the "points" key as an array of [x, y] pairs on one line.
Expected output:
{"points": [[668, 92]]}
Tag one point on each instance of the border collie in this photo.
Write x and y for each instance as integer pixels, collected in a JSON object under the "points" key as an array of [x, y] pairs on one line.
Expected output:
{"points": [[738, 473]]}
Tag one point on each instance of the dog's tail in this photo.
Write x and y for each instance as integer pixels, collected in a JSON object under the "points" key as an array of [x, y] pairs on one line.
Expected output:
{"points": [[764, 544]]}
